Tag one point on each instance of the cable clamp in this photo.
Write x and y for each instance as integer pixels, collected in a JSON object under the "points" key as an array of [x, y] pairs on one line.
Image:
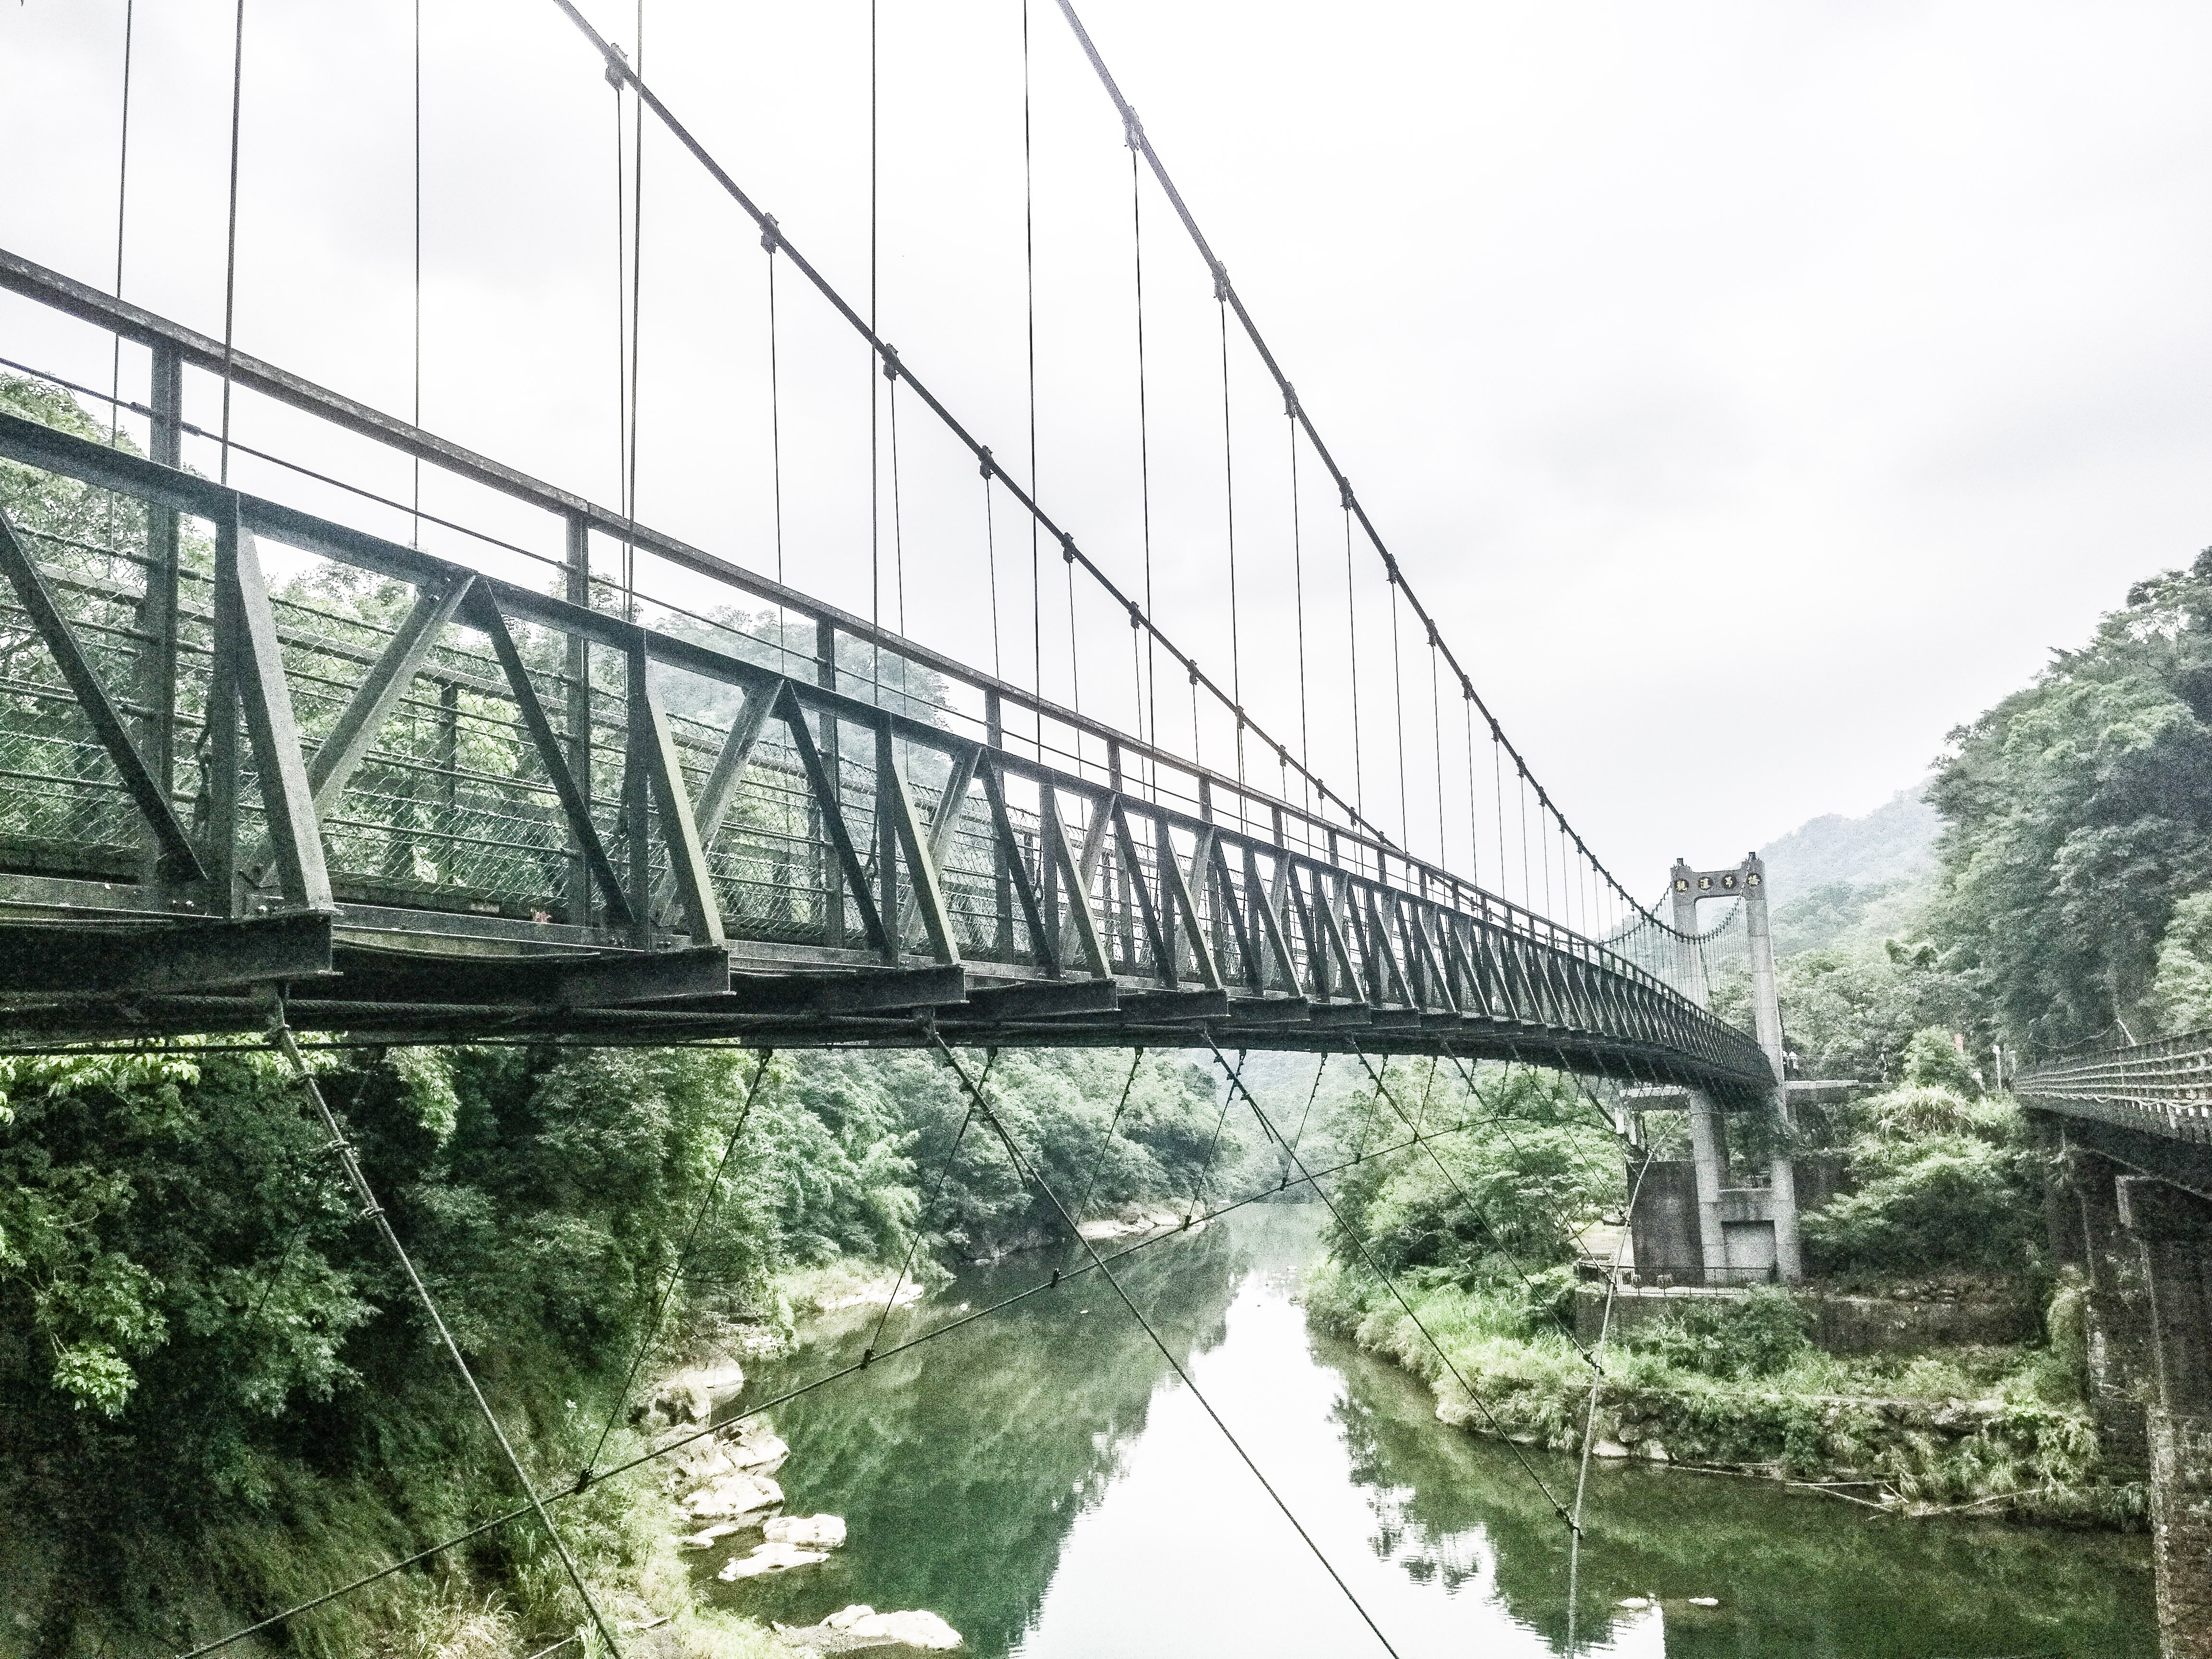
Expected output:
{"points": [[771, 237], [983, 455], [617, 66], [1055, 1281], [370, 1211], [1290, 400], [866, 1354], [1220, 280], [1136, 616], [1066, 548], [1390, 568], [583, 1479], [1344, 490], [1132, 130], [890, 359]]}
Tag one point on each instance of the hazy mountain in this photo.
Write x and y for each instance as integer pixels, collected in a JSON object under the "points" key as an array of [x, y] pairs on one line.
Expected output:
{"points": [[1893, 843]]}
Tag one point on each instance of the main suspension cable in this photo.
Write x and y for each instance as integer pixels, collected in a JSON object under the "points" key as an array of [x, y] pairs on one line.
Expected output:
{"points": [[618, 68], [1352, 503]]}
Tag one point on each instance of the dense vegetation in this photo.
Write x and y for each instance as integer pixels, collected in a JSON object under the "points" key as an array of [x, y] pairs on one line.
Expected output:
{"points": [[208, 1360]]}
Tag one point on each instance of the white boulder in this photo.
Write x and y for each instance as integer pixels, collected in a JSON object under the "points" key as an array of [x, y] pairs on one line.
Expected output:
{"points": [[770, 1558], [733, 1497], [707, 1538], [813, 1532], [916, 1629], [692, 1394], [761, 1451]]}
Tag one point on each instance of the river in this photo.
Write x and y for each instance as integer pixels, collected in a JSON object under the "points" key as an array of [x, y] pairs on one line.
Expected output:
{"points": [[1043, 1481]]}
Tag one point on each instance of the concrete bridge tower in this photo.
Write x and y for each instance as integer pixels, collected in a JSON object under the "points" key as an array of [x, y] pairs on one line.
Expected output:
{"points": [[1716, 1211]]}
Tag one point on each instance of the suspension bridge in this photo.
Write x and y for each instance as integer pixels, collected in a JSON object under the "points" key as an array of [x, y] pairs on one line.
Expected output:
{"points": [[515, 795], [574, 779]]}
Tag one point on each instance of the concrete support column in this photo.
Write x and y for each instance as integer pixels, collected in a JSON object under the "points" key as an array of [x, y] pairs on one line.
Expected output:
{"points": [[2118, 1326], [1766, 1014], [1709, 1156], [2172, 1229]]}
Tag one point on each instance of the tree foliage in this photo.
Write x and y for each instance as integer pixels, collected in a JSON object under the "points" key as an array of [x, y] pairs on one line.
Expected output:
{"points": [[2078, 817]]}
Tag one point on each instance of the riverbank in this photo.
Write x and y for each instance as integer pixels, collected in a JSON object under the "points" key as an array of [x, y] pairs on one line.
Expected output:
{"points": [[1994, 1430]]}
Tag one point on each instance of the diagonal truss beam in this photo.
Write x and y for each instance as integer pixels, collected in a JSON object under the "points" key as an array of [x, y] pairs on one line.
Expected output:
{"points": [[483, 614], [179, 862], [381, 690]]}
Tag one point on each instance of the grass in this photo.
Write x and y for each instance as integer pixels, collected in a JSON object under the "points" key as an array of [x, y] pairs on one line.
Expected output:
{"points": [[2002, 1427]]}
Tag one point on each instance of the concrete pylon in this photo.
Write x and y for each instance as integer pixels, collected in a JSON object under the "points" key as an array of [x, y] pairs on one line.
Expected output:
{"points": [[1708, 1163], [1746, 882]]}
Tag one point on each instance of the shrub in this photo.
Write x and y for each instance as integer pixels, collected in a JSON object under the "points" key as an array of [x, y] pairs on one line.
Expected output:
{"points": [[1756, 1336]]}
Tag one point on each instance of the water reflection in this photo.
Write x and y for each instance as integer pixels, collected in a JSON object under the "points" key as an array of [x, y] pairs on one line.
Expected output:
{"points": [[1042, 1482]]}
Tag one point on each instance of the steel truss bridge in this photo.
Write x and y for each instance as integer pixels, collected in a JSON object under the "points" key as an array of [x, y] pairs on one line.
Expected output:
{"points": [[505, 812]]}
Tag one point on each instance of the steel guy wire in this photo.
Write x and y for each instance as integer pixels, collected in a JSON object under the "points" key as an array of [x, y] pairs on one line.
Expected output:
{"points": [[1098, 1163], [1023, 1165], [1589, 1410], [682, 1254], [922, 1219], [280, 1038], [1373, 1266], [1559, 1225], [960, 1322]]}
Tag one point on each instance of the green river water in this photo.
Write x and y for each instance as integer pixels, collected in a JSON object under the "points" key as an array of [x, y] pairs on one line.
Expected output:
{"points": [[1043, 1481]]}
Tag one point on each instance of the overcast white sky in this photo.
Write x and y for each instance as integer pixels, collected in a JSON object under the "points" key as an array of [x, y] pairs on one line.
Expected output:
{"points": [[1754, 390]]}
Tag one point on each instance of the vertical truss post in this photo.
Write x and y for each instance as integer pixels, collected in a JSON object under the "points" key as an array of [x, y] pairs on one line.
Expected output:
{"points": [[637, 805], [679, 829], [900, 830], [1002, 885], [156, 687], [576, 666], [833, 888], [257, 675]]}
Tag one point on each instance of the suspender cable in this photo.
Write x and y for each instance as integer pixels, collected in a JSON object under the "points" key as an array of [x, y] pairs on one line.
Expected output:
{"points": [[230, 233], [636, 310], [1259, 343], [1229, 498], [622, 303], [769, 242], [619, 69], [898, 532], [1436, 737], [1298, 578], [1144, 450], [416, 540], [1398, 702], [122, 200], [991, 559], [1352, 633], [1029, 302], [875, 463]]}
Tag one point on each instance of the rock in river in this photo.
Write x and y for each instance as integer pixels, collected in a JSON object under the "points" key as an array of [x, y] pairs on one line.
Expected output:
{"points": [[770, 1558], [732, 1496], [813, 1532], [863, 1626]]}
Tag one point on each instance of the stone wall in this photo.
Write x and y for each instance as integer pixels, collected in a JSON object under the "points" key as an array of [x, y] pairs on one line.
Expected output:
{"points": [[1841, 1324]]}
